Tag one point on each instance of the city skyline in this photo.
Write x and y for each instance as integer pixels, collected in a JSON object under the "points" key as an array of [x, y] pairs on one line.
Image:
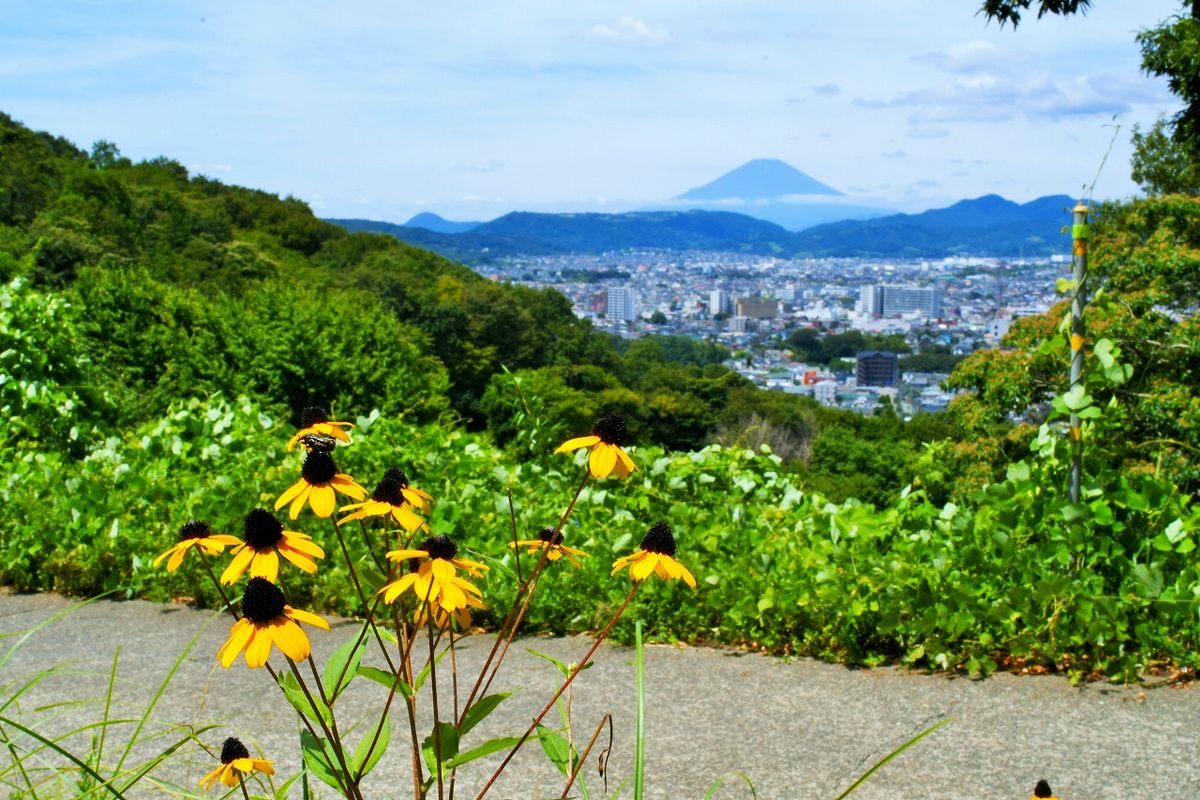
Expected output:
{"points": [[384, 113]]}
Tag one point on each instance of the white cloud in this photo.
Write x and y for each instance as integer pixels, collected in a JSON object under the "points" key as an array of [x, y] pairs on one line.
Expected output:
{"points": [[631, 31], [973, 56]]}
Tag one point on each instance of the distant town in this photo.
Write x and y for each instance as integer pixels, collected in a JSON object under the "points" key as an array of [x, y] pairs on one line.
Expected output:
{"points": [[756, 306]]}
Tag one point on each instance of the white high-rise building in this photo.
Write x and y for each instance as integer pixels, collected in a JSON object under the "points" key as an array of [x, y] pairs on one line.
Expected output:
{"points": [[720, 302], [622, 304], [889, 301]]}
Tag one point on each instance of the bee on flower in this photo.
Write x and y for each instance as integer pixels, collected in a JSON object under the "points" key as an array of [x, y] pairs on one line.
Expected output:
{"points": [[315, 421]]}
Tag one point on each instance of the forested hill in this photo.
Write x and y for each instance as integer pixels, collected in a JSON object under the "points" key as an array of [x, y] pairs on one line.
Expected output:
{"points": [[984, 226], [144, 286]]}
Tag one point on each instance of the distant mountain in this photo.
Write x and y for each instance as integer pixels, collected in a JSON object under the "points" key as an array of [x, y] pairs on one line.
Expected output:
{"points": [[775, 191], [988, 225], [432, 222], [985, 226], [760, 179]]}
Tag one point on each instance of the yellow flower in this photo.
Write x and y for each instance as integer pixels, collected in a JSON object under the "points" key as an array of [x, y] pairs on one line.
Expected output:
{"points": [[1042, 792], [197, 534], [267, 620], [608, 437], [314, 421], [236, 763], [266, 541], [319, 477], [550, 540], [657, 555], [395, 498], [435, 577]]}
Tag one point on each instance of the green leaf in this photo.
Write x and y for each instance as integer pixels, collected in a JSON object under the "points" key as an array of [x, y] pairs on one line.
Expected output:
{"points": [[385, 678], [563, 667], [316, 710], [1104, 352], [447, 738], [480, 709], [342, 665], [364, 763], [485, 749], [1076, 398], [319, 758], [556, 747]]}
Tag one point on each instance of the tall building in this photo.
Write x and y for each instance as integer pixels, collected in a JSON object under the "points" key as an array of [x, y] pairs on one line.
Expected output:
{"points": [[720, 302], [877, 368], [622, 304], [870, 300]]}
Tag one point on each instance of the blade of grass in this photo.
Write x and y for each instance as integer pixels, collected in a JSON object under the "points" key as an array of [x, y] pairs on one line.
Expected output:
{"points": [[712, 789], [891, 755], [639, 761], [64, 753]]}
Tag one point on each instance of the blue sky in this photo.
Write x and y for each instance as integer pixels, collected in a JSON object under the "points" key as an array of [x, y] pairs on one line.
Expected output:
{"points": [[473, 109]]}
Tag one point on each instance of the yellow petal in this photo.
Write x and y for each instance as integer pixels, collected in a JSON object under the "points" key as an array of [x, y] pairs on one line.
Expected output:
{"points": [[289, 495], [239, 635], [291, 639], [401, 555], [208, 780], [259, 648], [177, 557], [237, 567], [323, 501], [576, 443], [626, 461], [298, 503], [265, 565], [301, 544], [307, 617], [346, 485], [642, 568], [602, 460], [301, 560]]}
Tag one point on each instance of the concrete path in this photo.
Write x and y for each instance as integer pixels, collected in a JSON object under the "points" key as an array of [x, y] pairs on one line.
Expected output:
{"points": [[802, 729]]}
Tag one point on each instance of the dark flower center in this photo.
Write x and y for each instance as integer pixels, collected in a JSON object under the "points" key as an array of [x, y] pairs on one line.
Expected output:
{"points": [[396, 474], [611, 428], [388, 491], [318, 467], [1042, 790], [232, 750], [550, 535], [194, 529], [312, 415], [262, 530], [659, 539], [439, 547], [262, 601]]}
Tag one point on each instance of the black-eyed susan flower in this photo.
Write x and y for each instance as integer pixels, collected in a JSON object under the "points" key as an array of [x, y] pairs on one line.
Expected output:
{"points": [[266, 541], [551, 541], [395, 498], [314, 421], [236, 764], [434, 576], [1042, 791], [606, 442], [657, 555], [319, 479], [197, 534], [266, 620]]}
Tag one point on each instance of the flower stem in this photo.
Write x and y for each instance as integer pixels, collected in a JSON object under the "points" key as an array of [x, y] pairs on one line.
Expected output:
{"points": [[549, 705], [369, 610], [437, 732], [521, 602]]}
